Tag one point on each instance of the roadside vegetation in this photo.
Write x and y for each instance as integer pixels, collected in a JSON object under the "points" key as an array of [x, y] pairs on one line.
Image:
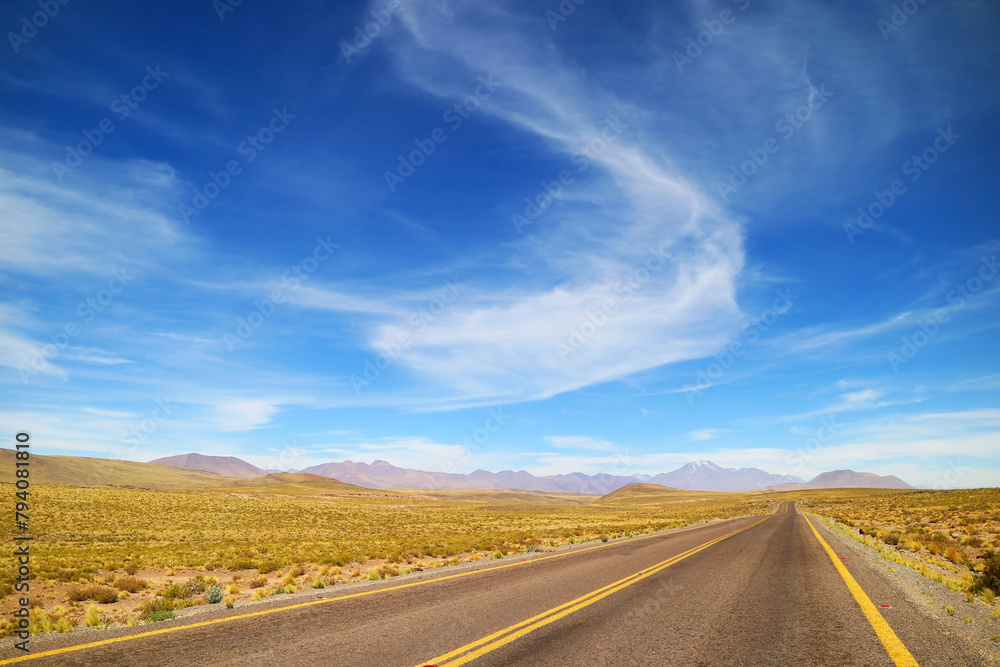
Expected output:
{"points": [[948, 536]]}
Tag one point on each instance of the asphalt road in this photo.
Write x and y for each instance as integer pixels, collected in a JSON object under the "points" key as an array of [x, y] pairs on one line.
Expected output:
{"points": [[749, 591]]}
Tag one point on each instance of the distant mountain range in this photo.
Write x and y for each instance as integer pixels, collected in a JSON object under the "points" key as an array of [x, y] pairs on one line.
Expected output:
{"points": [[695, 476]]}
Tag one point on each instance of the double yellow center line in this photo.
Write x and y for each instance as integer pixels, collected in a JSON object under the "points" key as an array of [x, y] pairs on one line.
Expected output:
{"points": [[480, 647]]}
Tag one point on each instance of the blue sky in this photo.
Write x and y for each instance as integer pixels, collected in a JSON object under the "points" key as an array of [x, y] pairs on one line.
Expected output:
{"points": [[595, 237]]}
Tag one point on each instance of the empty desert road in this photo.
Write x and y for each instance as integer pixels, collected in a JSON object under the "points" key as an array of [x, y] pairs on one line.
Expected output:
{"points": [[748, 591]]}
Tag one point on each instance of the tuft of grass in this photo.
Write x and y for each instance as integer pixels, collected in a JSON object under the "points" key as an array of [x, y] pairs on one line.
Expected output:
{"points": [[268, 566], [131, 584], [318, 584], [101, 594], [951, 610], [157, 616], [92, 618]]}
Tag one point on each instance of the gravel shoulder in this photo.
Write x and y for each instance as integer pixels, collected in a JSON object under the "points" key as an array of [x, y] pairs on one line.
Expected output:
{"points": [[973, 628]]}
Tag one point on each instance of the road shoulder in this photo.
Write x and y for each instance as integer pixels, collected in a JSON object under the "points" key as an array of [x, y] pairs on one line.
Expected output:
{"points": [[972, 632]]}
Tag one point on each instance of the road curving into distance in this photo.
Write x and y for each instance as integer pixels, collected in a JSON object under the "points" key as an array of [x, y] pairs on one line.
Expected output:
{"points": [[748, 591]]}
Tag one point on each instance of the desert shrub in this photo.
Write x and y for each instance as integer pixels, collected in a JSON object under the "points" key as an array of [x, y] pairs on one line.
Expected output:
{"points": [[891, 539], [92, 618], [214, 595], [159, 616], [241, 563], [532, 548], [297, 571], [989, 577], [268, 566], [257, 582], [101, 594], [131, 584]]}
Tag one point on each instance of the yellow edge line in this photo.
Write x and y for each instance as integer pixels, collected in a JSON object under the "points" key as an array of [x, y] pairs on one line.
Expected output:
{"points": [[150, 633], [893, 644], [567, 608]]}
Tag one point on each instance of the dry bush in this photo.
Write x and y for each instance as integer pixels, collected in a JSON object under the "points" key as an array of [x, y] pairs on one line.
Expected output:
{"points": [[131, 584], [101, 594]]}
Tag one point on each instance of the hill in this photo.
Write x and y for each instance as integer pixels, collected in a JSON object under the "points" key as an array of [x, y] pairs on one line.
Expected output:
{"points": [[655, 494], [846, 479], [86, 471], [227, 466], [849, 479]]}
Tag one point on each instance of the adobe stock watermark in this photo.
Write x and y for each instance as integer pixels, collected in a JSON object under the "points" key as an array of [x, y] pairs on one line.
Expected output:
{"points": [[786, 127], [454, 116], [223, 7], [87, 310], [704, 39], [30, 27], [287, 456], [419, 321], [566, 8], [827, 431], [248, 149], [899, 16], [914, 168], [122, 106], [594, 319], [958, 297], [581, 160], [952, 476], [291, 280], [141, 432], [752, 330], [472, 443], [363, 37]]}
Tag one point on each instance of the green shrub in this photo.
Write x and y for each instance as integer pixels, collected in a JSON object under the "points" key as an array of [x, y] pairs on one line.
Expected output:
{"points": [[214, 595], [155, 616], [535, 548]]}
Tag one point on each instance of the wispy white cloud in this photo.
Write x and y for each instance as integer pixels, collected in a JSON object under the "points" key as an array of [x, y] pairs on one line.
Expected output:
{"points": [[505, 343], [244, 414]]}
